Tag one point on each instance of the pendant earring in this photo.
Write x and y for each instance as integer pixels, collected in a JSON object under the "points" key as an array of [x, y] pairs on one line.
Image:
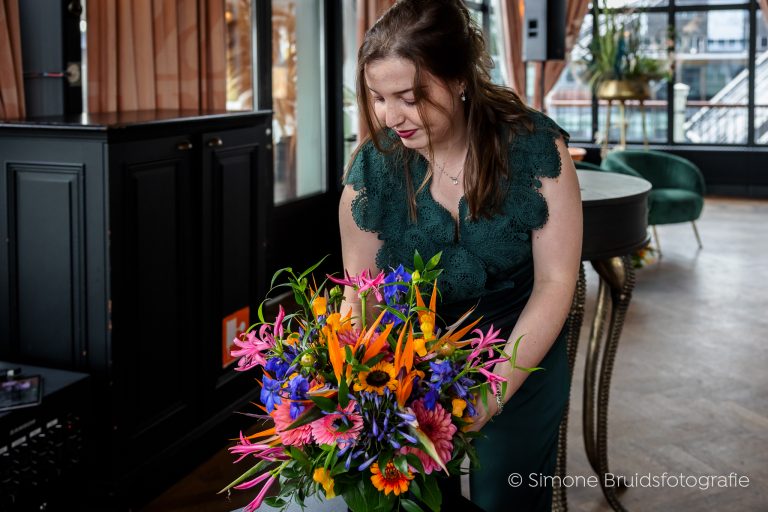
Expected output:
{"points": [[463, 96]]}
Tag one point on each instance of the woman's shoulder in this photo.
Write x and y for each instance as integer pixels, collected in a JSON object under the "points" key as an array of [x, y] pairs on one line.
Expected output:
{"points": [[533, 145]]}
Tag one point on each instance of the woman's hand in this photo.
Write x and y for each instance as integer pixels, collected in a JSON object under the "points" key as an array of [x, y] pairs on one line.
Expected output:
{"points": [[484, 414]]}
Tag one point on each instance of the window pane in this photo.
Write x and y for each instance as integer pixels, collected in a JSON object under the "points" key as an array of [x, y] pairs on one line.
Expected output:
{"points": [[615, 4], [709, 2], [653, 32], [239, 68], [349, 76], [298, 96], [761, 81], [712, 77], [569, 102]]}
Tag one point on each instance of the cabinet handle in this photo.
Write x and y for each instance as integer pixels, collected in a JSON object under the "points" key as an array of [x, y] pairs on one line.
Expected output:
{"points": [[215, 142], [184, 146]]}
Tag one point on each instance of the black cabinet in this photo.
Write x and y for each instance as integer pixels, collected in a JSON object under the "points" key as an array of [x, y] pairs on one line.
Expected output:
{"points": [[133, 249]]}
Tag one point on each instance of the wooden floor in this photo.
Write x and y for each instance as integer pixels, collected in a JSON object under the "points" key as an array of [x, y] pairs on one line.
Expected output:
{"points": [[690, 389]]}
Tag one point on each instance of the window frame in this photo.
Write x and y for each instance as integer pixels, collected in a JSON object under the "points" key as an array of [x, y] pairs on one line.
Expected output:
{"points": [[672, 9]]}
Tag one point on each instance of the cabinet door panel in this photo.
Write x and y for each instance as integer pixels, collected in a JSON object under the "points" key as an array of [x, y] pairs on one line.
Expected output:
{"points": [[152, 252], [45, 256], [232, 214]]}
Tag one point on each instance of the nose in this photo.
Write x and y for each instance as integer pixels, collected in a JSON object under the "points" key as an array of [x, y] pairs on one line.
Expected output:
{"points": [[393, 115]]}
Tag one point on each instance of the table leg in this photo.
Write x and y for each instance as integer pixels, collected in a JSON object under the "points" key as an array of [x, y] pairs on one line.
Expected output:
{"points": [[617, 278], [574, 321]]}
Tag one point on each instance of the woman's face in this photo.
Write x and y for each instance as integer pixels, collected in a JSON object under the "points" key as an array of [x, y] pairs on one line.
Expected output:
{"points": [[390, 83]]}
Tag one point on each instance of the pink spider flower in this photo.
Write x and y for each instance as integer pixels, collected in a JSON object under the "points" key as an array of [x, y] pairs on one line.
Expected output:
{"points": [[251, 348], [492, 378], [259, 450], [256, 503], [483, 342], [362, 282], [327, 430]]}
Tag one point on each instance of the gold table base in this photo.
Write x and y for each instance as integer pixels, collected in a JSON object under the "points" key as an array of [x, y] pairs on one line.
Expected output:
{"points": [[617, 280]]}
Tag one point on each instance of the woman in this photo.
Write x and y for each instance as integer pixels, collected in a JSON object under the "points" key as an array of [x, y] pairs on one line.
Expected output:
{"points": [[457, 164]]}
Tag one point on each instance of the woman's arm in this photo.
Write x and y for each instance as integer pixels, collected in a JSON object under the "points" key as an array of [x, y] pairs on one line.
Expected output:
{"points": [[358, 249], [556, 260]]}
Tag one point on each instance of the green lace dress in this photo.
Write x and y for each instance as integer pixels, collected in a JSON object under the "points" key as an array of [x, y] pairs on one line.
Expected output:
{"points": [[488, 263]]}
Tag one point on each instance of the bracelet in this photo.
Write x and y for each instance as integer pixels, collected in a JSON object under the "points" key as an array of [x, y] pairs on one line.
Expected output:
{"points": [[499, 401]]}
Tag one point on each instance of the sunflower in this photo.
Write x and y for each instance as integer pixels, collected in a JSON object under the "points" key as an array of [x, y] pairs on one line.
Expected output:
{"points": [[391, 480], [377, 379]]}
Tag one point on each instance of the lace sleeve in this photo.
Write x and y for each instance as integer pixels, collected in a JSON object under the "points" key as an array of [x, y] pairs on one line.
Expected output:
{"points": [[370, 175], [540, 158]]}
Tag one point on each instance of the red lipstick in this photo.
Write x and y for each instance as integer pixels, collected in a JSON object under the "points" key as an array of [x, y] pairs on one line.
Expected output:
{"points": [[405, 134]]}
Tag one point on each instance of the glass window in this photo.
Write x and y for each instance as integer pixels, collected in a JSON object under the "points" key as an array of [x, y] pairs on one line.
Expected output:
{"points": [[569, 102], [711, 89], [349, 77], [761, 80], [650, 125], [239, 55], [298, 98], [708, 2]]}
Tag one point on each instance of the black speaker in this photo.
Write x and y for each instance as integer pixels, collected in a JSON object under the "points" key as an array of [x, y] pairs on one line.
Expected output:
{"points": [[544, 30]]}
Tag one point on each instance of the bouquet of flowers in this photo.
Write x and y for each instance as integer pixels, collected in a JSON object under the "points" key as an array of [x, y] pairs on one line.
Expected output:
{"points": [[373, 410]]}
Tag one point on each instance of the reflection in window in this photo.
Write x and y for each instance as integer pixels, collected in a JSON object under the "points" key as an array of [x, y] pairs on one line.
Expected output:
{"points": [[761, 80], [298, 95], [239, 60], [712, 77], [569, 102]]}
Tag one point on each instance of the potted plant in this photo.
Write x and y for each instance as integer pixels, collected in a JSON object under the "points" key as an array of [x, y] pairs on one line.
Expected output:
{"points": [[615, 65]]}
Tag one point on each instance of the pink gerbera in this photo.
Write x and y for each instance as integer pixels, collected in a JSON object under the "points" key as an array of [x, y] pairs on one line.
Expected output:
{"points": [[296, 436], [340, 427], [437, 426]]}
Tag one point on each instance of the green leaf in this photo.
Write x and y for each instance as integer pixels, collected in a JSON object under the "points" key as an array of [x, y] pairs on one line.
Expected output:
{"points": [[277, 274], [433, 261], [430, 494], [307, 417], [415, 462], [415, 488], [384, 458], [256, 468], [401, 463], [329, 459], [312, 268], [300, 456], [325, 404], [275, 502], [343, 393], [410, 506], [348, 355], [260, 312], [418, 262]]}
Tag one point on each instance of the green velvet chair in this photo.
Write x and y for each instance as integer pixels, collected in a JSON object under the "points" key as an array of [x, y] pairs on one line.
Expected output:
{"points": [[587, 166], [677, 186]]}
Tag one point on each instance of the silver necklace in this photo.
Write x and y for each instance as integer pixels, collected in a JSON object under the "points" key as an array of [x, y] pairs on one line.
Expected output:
{"points": [[454, 179]]}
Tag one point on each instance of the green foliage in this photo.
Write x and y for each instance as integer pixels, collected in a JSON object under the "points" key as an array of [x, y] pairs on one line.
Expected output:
{"points": [[616, 53]]}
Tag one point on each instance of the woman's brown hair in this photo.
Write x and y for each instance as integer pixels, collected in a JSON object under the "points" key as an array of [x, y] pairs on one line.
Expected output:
{"points": [[439, 37]]}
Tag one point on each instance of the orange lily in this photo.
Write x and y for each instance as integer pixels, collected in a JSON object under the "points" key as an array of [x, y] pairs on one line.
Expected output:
{"points": [[375, 347], [404, 355]]}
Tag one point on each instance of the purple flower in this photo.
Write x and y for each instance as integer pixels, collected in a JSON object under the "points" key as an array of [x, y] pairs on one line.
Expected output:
{"points": [[270, 393], [298, 388], [277, 366], [392, 291], [442, 373]]}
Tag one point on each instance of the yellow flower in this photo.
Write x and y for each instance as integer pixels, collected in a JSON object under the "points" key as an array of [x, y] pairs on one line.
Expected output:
{"points": [[377, 379], [323, 477], [319, 306], [458, 407], [420, 346], [391, 480], [292, 338]]}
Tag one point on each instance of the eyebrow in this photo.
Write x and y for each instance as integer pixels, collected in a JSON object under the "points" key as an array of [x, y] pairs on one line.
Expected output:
{"points": [[397, 92]]}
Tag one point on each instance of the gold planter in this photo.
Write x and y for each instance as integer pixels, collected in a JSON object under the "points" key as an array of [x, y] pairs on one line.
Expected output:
{"points": [[623, 90]]}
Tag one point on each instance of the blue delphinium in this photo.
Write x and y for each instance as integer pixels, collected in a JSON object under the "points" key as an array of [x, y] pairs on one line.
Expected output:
{"points": [[298, 387], [395, 290], [270, 393]]}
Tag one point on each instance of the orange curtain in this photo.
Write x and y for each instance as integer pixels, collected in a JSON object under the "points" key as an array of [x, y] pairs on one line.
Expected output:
{"points": [[368, 11], [512, 32], [764, 8], [11, 78], [156, 54], [574, 16]]}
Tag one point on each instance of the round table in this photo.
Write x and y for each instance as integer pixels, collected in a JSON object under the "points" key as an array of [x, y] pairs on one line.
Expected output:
{"points": [[615, 209]]}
